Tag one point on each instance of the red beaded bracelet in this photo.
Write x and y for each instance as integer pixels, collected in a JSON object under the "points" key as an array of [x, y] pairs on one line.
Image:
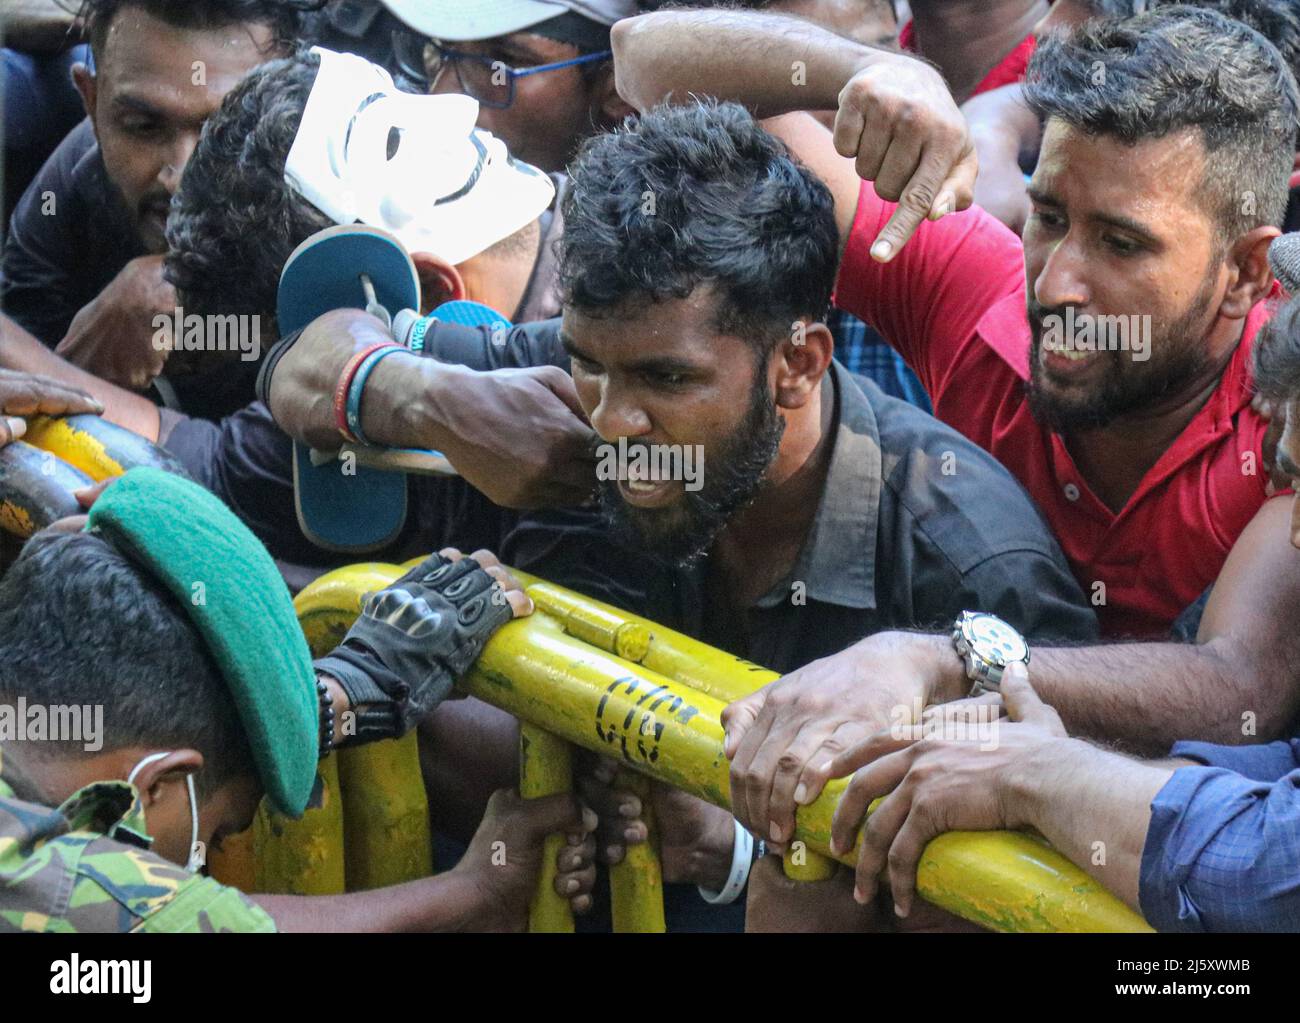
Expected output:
{"points": [[345, 383]]}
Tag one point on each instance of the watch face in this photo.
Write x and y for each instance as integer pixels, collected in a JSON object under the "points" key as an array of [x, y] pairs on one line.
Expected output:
{"points": [[996, 641]]}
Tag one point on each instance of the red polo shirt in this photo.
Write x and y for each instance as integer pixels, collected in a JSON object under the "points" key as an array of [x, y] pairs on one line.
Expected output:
{"points": [[953, 304], [1010, 68]]}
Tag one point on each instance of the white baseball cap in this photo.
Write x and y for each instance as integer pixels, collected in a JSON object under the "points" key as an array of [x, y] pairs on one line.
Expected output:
{"points": [[462, 20], [414, 165]]}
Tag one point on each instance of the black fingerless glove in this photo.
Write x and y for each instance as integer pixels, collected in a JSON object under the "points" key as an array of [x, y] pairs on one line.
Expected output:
{"points": [[413, 640]]}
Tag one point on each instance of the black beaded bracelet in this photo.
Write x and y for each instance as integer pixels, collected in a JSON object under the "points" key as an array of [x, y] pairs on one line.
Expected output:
{"points": [[326, 717]]}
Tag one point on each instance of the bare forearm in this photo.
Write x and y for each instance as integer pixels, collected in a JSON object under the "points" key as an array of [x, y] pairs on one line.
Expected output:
{"points": [[20, 351], [1002, 127], [1235, 685], [445, 902], [1092, 805], [1147, 696], [395, 410], [771, 63]]}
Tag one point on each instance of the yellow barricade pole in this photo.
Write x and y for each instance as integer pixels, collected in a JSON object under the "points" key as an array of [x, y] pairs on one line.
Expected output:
{"points": [[234, 863], [801, 864], [636, 885], [545, 769], [303, 857], [386, 834]]}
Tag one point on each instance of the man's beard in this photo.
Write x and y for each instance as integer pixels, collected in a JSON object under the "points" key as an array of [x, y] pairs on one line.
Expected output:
{"points": [[150, 235], [683, 532], [1174, 361]]}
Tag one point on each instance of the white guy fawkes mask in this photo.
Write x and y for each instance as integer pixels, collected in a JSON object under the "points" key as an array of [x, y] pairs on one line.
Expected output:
{"points": [[412, 165]]}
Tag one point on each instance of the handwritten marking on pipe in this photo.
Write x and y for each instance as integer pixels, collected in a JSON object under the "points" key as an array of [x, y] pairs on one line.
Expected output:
{"points": [[638, 732]]}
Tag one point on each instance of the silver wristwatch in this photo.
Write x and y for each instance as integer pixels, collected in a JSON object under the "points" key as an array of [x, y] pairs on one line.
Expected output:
{"points": [[986, 644]]}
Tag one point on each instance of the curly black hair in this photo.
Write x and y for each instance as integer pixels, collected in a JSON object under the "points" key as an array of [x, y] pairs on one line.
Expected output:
{"points": [[1175, 68], [283, 16], [234, 221], [699, 194]]}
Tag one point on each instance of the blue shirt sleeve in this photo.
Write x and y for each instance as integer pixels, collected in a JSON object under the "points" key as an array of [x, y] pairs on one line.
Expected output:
{"points": [[1222, 852], [1268, 762]]}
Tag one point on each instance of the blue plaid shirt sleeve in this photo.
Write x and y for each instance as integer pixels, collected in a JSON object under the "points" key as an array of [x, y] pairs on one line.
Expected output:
{"points": [[1222, 850]]}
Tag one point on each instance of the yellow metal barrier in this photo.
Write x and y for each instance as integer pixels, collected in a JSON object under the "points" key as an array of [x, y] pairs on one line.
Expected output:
{"points": [[671, 653], [605, 692], [1002, 880], [385, 812], [386, 835]]}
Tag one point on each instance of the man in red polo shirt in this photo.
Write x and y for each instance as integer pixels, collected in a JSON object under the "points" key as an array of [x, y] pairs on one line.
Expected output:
{"points": [[1163, 174]]}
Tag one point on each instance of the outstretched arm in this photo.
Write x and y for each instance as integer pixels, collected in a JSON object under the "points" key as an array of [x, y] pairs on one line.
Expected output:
{"points": [[895, 116], [1084, 800], [1003, 128], [20, 351], [486, 891]]}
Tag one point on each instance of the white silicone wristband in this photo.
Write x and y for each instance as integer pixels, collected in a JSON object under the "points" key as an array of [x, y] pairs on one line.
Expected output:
{"points": [[742, 858]]}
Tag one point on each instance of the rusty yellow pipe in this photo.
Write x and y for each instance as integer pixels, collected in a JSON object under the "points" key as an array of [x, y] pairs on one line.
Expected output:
{"points": [[75, 447], [97, 447], [234, 863], [328, 606], [728, 677], [303, 857], [545, 769], [636, 884], [802, 864], [704, 668], [386, 835], [669, 731]]}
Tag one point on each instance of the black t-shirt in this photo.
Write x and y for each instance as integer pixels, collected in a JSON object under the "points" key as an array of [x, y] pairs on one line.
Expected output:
{"points": [[69, 237]]}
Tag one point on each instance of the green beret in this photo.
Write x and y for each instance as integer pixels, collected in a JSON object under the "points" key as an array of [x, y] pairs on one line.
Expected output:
{"points": [[192, 544]]}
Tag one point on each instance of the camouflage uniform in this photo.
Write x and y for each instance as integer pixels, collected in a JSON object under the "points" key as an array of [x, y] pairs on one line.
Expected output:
{"points": [[86, 868]]}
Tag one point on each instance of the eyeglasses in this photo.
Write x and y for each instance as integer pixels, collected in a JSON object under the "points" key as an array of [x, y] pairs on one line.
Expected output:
{"points": [[491, 82]]}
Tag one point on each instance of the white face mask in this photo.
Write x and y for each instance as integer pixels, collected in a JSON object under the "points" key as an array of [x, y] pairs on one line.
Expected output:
{"points": [[414, 166], [195, 862]]}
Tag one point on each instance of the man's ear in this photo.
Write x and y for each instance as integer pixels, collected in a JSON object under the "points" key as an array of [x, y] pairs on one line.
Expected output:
{"points": [[801, 360], [1254, 277], [607, 106], [88, 86], [152, 778], [440, 281]]}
